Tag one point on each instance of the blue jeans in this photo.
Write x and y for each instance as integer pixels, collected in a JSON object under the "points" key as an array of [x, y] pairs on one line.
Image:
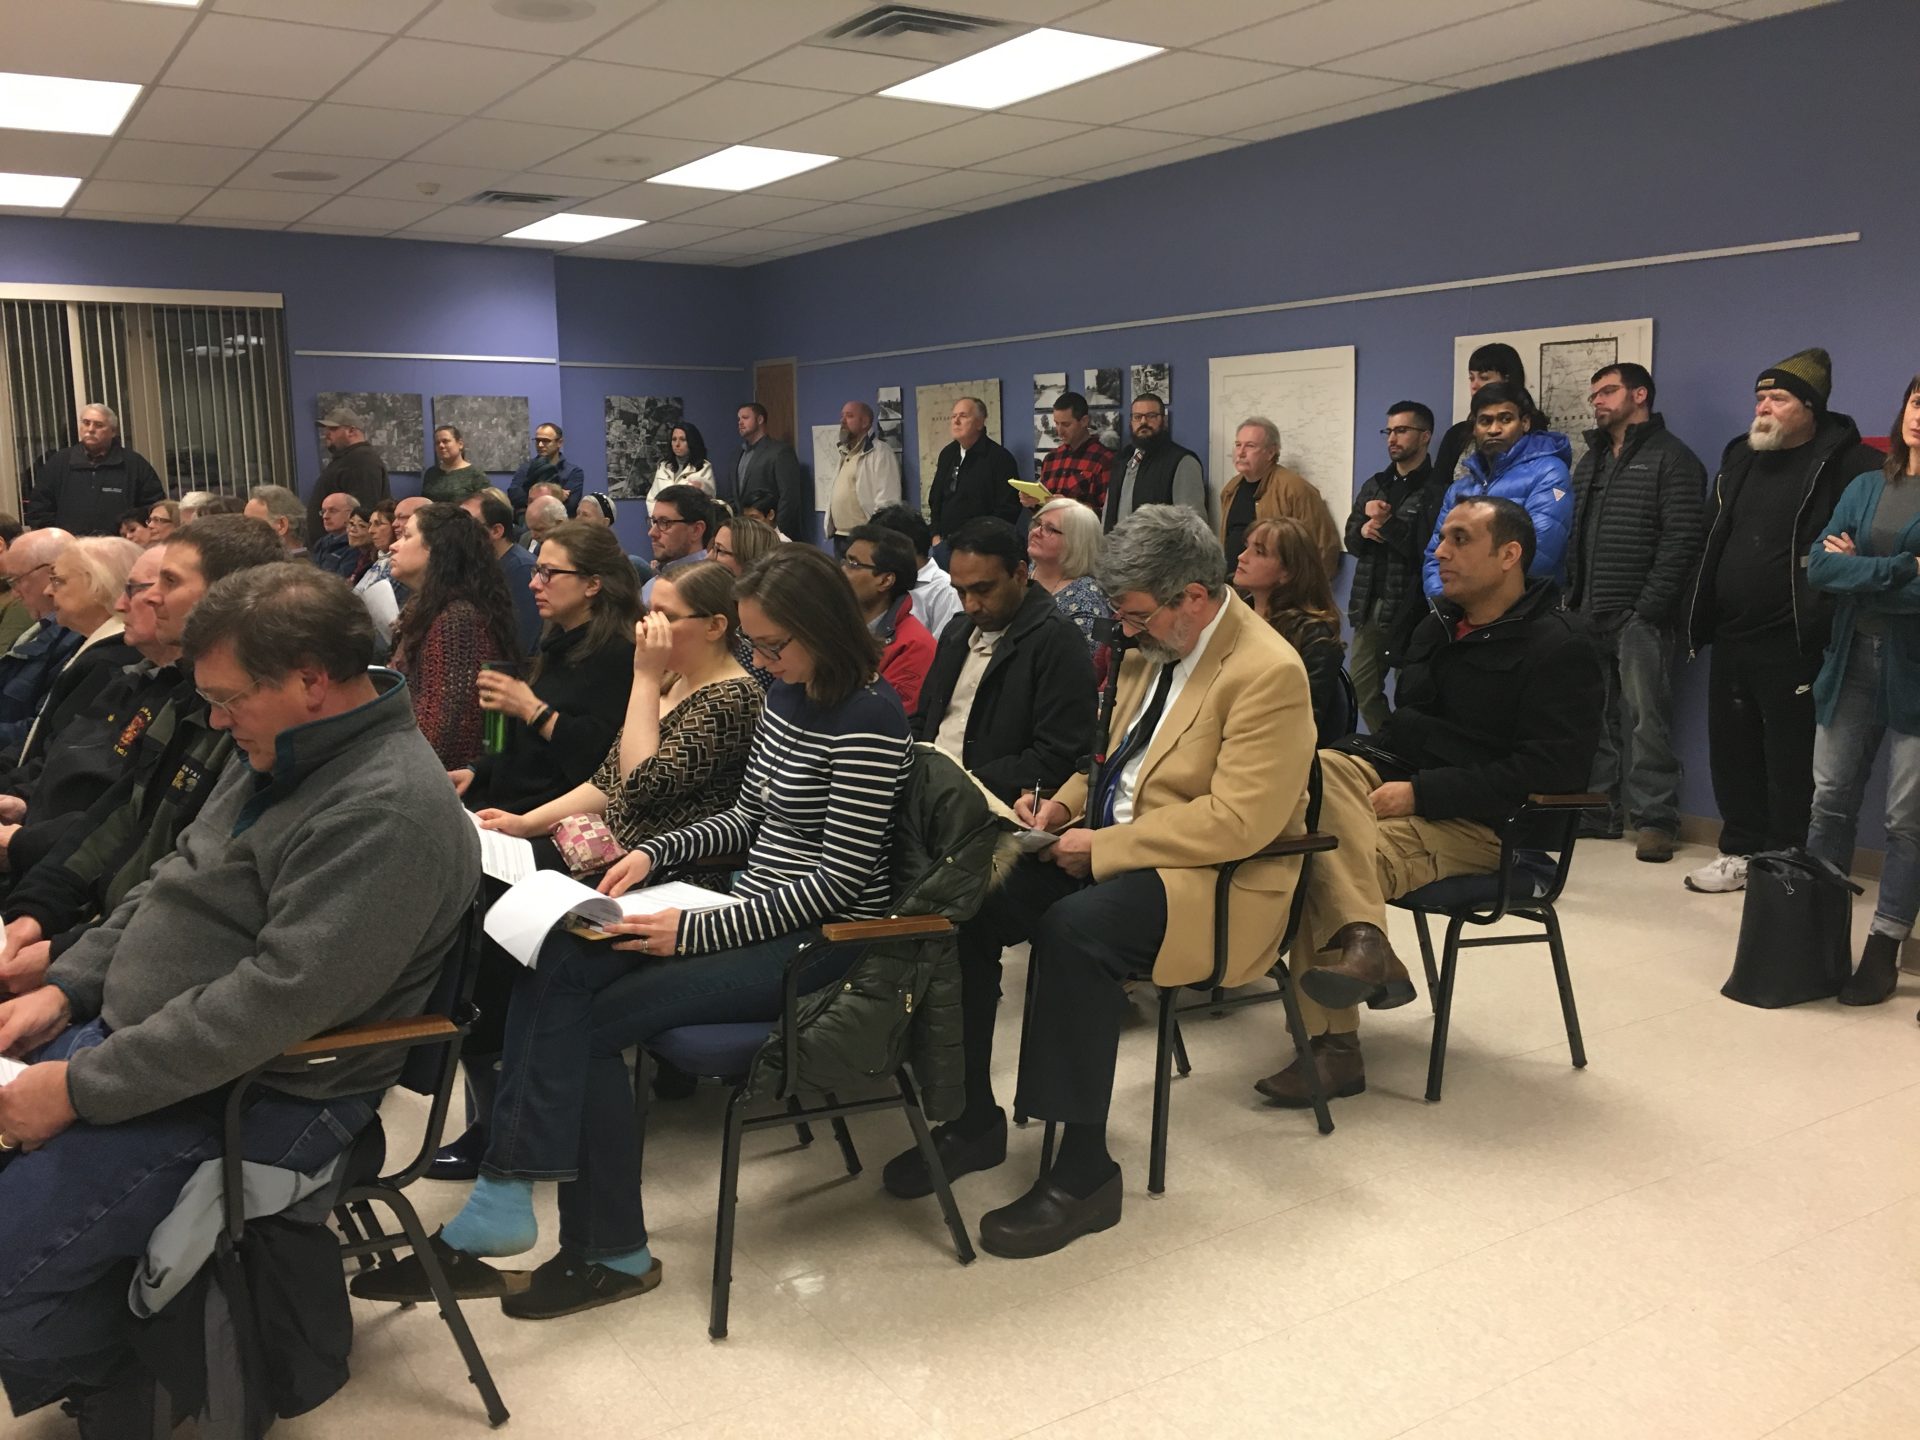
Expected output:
{"points": [[75, 1216], [1635, 767], [1843, 754], [564, 1110]]}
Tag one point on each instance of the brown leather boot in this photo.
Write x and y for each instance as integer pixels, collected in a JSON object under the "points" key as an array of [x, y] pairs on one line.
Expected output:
{"points": [[1367, 972], [1342, 1073]]}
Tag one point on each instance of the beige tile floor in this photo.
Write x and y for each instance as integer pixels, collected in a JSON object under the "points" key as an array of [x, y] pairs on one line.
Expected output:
{"points": [[1713, 1231]]}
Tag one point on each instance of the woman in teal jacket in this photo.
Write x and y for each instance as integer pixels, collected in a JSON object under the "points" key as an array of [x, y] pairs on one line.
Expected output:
{"points": [[1868, 689]]}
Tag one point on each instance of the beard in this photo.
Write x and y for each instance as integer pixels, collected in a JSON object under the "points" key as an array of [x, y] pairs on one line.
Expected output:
{"points": [[1158, 651], [1766, 434]]}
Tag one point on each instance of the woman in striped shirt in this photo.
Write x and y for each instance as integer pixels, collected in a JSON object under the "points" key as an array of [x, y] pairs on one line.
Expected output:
{"points": [[814, 819]]}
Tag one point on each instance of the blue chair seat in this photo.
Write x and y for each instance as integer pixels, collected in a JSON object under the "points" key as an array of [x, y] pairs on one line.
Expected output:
{"points": [[720, 1051], [1532, 877]]}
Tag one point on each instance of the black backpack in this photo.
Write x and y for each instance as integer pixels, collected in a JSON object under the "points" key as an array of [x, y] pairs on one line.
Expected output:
{"points": [[1796, 931]]}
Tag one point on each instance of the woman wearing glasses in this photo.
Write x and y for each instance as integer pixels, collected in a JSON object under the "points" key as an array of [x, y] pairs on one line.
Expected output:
{"points": [[740, 544], [1064, 545], [86, 584], [814, 817]]}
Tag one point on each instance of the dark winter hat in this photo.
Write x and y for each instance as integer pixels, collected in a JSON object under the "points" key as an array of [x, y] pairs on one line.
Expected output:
{"points": [[1807, 376]]}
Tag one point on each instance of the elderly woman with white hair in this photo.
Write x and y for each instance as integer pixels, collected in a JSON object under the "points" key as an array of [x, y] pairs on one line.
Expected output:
{"points": [[1064, 546], [87, 583]]}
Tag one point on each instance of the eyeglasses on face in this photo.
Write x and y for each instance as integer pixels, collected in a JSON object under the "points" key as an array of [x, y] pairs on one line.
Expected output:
{"points": [[1135, 621], [847, 562], [545, 573], [1039, 529], [661, 522], [1393, 430], [133, 589], [769, 649], [227, 703], [719, 552]]}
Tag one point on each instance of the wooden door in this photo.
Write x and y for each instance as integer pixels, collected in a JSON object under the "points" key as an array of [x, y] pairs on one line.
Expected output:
{"points": [[775, 386]]}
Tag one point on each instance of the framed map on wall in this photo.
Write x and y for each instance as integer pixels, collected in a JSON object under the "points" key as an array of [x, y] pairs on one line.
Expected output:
{"points": [[1560, 362], [495, 428], [1308, 394], [396, 425]]}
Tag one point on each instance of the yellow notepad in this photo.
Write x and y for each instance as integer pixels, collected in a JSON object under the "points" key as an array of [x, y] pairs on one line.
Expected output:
{"points": [[1033, 488]]}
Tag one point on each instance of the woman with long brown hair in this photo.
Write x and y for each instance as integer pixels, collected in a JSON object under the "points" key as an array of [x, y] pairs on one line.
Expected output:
{"points": [[1282, 577]]}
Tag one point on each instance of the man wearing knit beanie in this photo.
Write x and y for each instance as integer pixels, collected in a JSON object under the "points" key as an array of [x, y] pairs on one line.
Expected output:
{"points": [[1777, 486]]}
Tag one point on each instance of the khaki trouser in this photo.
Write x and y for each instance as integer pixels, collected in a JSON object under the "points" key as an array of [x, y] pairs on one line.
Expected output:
{"points": [[1377, 860]]}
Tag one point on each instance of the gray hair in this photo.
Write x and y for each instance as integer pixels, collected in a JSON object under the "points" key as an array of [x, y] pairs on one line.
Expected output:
{"points": [[281, 503], [976, 402], [549, 509], [1159, 550], [112, 419], [1265, 426], [100, 564], [1082, 538], [192, 501], [283, 617]]}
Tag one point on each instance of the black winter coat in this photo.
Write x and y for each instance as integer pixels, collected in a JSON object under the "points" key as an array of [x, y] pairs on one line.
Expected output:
{"points": [[1509, 710], [1648, 525], [358, 471], [87, 497], [976, 486], [1032, 717], [1386, 571]]}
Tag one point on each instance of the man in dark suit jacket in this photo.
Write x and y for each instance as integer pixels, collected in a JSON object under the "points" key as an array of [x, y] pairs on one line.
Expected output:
{"points": [[765, 463], [970, 478]]}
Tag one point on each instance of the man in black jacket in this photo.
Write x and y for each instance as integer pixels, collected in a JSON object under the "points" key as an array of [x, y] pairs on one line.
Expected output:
{"points": [[1499, 697], [356, 468], [1152, 470], [1775, 492], [1011, 697], [768, 463], [970, 477], [1638, 516], [1387, 535], [86, 488]]}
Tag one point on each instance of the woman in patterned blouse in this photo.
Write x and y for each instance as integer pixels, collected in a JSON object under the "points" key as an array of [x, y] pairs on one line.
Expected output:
{"points": [[1064, 545], [460, 618], [814, 817]]}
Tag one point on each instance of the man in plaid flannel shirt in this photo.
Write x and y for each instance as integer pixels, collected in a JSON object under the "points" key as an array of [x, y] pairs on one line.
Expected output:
{"points": [[1079, 467]]}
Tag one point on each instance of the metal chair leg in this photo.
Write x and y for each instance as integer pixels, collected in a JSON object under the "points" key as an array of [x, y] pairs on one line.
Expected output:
{"points": [[1426, 956], [845, 1137], [723, 1225], [1564, 980], [1303, 1047], [1046, 1148], [449, 1305], [643, 1069], [1026, 1023], [1180, 1044], [803, 1129], [1162, 1093], [936, 1172], [1443, 1008]]}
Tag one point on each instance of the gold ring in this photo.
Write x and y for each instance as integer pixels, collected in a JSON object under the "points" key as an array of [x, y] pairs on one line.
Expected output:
{"points": [[6, 1144]]}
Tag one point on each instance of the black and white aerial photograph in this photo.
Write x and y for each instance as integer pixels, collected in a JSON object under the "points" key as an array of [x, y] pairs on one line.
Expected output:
{"points": [[1155, 378], [496, 429], [890, 416], [396, 425], [1102, 389], [639, 433]]}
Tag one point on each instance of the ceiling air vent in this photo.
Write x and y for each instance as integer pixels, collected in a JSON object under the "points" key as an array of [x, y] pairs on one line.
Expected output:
{"points": [[907, 32], [520, 197]]}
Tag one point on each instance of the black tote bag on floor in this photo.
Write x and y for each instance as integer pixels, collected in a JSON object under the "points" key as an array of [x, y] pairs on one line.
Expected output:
{"points": [[1796, 931]]}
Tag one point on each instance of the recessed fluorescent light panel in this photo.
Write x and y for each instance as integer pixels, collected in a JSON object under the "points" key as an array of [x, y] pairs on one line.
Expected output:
{"points": [[42, 192], [743, 167], [67, 107], [1021, 68], [572, 229]]}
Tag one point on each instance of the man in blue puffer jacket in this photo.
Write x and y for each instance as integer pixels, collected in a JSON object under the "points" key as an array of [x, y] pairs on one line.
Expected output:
{"points": [[1515, 457]]}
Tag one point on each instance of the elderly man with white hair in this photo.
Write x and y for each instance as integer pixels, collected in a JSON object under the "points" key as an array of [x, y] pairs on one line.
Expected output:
{"points": [[86, 488], [1264, 489], [28, 669], [542, 515]]}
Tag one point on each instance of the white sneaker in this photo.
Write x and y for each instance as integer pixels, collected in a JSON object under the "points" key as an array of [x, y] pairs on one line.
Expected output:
{"points": [[1719, 875]]}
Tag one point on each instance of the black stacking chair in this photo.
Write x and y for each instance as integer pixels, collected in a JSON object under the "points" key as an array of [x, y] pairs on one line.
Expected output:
{"points": [[1536, 852]]}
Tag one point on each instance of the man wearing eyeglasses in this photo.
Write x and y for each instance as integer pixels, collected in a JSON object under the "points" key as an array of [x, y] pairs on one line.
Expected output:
{"points": [[1151, 469], [13, 614], [679, 528], [550, 465], [1387, 535], [28, 669]]}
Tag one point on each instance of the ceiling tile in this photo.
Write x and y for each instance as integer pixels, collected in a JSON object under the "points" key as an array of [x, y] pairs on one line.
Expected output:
{"points": [[40, 152], [1328, 32], [507, 143], [973, 142], [1083, 154], [625, 157], [1508, 35], [647, 202], [818, 68], [818, 242], [1132, 165], [1021, 192], [572, 187], [734, 110], [749, 242], [347, 171], [124, 217], [488, 22], [849, 180], [377, 214], [172, 164], [1155, 22], [602, 97], [278, 206], [954, 187], [1678, 28], [89, 39], [208, 117], [1291, 94], [306, 229], [475, 222], [752, 209], [389, 17], [860, 127], [334, 129], [847, 217], [718, 37], [265, 57], [134, 197], [402, 181], [1027, 12], [1152, 84], [216, 222], [666, 235], [1350, 110], [1763, 9], [433, 75]]}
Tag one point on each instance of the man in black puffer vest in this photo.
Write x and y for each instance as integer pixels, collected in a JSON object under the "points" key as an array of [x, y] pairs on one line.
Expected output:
{"points": [[1638, 498], [1153, 470]]}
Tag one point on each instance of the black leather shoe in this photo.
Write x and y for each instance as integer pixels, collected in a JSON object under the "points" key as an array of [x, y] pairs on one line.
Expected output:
{"points": [[906, 1174], [461, 1159], [404, 1281], [568, 1284], [1047, 1218]]}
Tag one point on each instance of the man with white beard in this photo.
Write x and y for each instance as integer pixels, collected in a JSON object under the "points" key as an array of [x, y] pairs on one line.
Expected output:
{"points": [[1775, 492]]}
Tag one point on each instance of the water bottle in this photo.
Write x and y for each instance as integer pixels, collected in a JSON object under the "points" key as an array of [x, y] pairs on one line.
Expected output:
{"points": [[496, 720]]}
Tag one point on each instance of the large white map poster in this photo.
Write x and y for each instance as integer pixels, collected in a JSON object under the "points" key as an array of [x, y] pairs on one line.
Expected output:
{"points": [[932, 410], [1560, 362], [1308, 394]]}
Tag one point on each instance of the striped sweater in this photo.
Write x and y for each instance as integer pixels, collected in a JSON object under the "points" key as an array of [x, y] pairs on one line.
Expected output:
{"points": [[814, 817]]}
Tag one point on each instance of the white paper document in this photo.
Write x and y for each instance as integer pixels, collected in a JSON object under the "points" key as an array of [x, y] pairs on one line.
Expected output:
{"points": [[383, 605], [520, 920], [10, 1070], [505, 857]]}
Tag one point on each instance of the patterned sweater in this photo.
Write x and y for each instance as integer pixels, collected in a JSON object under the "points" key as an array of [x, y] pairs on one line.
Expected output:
{"points": [[814, 816], [443, 673], [704, 744]]}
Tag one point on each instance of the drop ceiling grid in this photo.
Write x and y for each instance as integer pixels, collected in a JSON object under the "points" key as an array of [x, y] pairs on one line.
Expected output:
{"points": [[455, 94]]}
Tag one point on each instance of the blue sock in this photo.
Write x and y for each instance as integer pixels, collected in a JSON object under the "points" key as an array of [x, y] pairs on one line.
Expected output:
{"points": [[496, 1220], [635, 1262]]}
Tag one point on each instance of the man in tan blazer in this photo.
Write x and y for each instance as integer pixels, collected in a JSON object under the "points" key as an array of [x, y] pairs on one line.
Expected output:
{"points": [[1207, 761]]}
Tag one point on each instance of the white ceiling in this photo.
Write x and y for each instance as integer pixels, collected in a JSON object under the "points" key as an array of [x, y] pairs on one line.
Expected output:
{"points": [[411, 106]]}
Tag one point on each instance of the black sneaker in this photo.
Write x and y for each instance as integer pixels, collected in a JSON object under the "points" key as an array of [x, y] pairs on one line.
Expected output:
{"points": [[461, 1159], [906, 1174], [404, 1281], [568, 1284]]}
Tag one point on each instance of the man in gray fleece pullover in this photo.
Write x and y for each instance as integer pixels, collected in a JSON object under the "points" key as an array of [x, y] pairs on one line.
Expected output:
{"points": [[321, 886]]}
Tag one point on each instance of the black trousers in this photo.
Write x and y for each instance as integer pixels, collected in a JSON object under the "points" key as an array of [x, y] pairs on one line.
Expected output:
{"points": [[1087, 939], [1760, 737]]}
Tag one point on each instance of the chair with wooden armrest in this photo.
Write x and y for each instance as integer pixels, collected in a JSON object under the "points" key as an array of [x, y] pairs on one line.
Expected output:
{"points": [[724, 1054], [431, 1043], [1536, 852]]}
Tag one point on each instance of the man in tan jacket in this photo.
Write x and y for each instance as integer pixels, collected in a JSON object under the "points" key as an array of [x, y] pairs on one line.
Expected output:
{"points": [[1207, 760], [1264, 489]]}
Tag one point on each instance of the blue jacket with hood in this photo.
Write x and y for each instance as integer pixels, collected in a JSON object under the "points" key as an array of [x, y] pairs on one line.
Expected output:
{"points": [[1536, 475]]}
